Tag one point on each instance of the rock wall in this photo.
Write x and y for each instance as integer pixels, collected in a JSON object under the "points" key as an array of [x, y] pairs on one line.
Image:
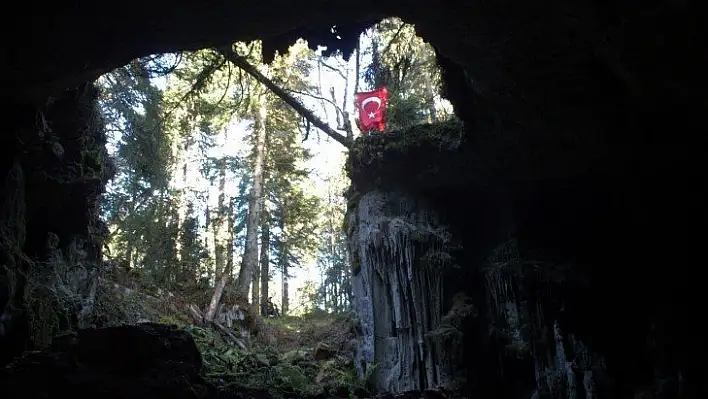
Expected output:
{"points": [[401, 248], [54, 168], [520, 300], [583, 117], [401, 251], [143, 361]]}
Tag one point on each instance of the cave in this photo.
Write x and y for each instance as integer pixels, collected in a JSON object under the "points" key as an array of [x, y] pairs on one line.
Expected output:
{"points": [[572, 193]]}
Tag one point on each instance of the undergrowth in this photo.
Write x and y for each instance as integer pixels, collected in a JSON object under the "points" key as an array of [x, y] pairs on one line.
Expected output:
{"points": [[305, 357]]}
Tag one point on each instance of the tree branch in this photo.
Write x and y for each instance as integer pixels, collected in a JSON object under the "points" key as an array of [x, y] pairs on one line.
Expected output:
{"points": [[331, 68], [319, 90], [316, 97], [243, 64]]}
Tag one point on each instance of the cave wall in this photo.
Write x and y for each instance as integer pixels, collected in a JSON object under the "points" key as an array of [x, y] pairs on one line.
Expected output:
{"points": [[400, 253], [548, 286], [55, 166]]}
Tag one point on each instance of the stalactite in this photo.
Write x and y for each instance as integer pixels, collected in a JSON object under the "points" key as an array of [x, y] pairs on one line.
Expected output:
{"points": [[401, 252], [564, 366]]}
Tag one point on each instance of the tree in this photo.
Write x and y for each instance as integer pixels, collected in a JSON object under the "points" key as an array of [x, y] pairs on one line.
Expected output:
{"points": [[294, 241], [285, 176], [139, 194], [335, 291], [250, 256], [406, 65], [243, 63]]}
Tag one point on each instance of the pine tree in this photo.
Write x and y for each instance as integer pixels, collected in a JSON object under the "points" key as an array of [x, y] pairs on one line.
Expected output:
{"points": [[139, 195], [295, 210], [406, 65], [335, 291]]}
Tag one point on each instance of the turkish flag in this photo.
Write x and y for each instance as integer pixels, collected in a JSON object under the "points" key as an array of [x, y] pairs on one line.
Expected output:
{"points": [[372, 108]]}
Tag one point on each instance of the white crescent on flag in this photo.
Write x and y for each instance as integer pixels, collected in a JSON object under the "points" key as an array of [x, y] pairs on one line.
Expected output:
{"points": [[370, 100]]}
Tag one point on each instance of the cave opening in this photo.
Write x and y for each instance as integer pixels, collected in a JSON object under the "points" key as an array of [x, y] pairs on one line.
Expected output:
{"points": [[580, 120]]}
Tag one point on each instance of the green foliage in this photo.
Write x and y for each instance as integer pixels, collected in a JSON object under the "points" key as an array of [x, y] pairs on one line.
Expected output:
{"points": [[335, 291], [307, 296], [171, 236], [131, 106], [139, 205], [265, 370], [406, 66], [292, 210]]}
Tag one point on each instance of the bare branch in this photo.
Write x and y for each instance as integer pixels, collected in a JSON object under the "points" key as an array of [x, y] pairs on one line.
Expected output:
{"points": [[316, 97], [333, 69], [319, 89], [243, 63], [331, 93]]}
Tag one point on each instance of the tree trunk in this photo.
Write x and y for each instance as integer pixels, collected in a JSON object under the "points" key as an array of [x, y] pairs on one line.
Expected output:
{"points": [[265, 260], [181, 153], [430, 101], [256, 283], [214, 303], [357, 72], [429, 92], [218, 226], [250, 254], [129, 253], [284, 263], [230, 241], [286, 299], [226, 275]]}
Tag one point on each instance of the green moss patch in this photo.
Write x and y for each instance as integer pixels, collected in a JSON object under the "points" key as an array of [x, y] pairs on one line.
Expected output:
{"points": [[421, 157], [305, 359]]}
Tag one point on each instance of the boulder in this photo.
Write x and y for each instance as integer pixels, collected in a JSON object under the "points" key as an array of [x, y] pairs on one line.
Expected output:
{"points": [[141, 361]]}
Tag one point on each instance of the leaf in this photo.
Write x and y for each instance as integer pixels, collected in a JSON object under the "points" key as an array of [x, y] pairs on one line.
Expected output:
{"points": [[263, 359]]}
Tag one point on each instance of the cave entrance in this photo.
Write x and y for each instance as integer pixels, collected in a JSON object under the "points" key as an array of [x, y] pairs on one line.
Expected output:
{"points": [[175, 137], [552, 93], [183, 130]]}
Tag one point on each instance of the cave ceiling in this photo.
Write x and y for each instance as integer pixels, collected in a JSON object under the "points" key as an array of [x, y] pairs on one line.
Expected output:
{"points": [[565, 78], [55, 46], [511, 47]]}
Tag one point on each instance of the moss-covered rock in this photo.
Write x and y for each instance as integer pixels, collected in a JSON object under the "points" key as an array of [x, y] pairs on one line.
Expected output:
{"points": [[419, 158], [307, 361], [55, 166]]}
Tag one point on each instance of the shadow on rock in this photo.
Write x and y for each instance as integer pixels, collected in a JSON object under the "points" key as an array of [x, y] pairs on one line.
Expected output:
{"points": [[143, 361]]}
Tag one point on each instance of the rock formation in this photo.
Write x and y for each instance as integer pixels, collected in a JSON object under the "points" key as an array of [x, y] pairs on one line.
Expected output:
{"points": [[145, 361], [460, 285], [568, 205], [56, 166]]}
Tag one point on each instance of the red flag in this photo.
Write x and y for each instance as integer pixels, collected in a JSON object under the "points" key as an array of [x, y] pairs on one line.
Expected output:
{"points": [[372, 108]]}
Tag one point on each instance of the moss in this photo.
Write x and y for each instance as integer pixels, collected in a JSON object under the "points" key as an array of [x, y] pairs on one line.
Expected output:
{"points": [[295, 367], [423, 156]]}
